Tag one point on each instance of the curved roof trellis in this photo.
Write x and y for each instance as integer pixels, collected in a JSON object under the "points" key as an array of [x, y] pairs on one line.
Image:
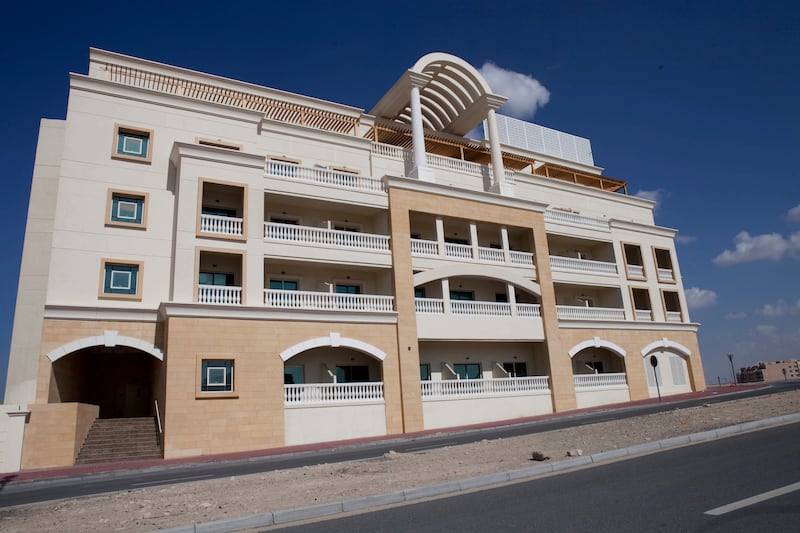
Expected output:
{"points": [[454, 97]]}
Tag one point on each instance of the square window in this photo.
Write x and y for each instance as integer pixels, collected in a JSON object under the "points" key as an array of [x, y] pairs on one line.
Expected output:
{"points": [[132, 144], [120, 279], [126, 209], [216, 375]]}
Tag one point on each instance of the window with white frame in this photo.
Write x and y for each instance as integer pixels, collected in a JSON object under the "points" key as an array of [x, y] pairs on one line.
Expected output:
{"points": [[216, 375], [132, 144], [120, 279], [127, 209]]}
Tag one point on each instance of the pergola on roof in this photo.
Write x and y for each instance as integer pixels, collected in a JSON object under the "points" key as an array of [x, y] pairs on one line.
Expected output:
{"points": [[454, 97]]}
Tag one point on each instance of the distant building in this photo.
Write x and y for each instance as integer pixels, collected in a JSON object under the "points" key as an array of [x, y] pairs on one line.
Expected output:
{"points": [[777, 371], [250, 268]]}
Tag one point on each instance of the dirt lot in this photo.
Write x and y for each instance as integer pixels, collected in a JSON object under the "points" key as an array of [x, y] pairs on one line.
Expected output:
{"points": [[149, 509]]}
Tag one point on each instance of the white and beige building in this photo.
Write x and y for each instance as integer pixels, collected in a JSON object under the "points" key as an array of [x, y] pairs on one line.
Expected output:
{"points": [[259, 269]]}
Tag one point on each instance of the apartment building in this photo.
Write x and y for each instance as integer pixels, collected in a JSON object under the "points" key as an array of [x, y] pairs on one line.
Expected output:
{"points": [[256, 269], [769, 371]]}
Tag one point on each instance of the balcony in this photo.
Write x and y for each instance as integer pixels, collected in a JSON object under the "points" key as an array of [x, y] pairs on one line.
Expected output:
{"points": [[332, 393], [473, 308], [328, 301], [483, 387], [274, 231], [666, 274], [574, 219], [599, 381], [219, 295], [674, 316], [221, 225], [645, 315], [322, 176], [424, 248], [600, 389], [476, 320], [582, 266], [572, 312]]}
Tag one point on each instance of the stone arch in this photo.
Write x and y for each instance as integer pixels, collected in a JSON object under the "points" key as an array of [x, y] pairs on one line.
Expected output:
{"points": [[597, 342], [481, 271], [667, 344], [109, 339], [333, 340]]}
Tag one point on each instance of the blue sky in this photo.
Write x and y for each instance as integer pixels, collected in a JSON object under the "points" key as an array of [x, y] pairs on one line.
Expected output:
{"points": [[694, 104]]}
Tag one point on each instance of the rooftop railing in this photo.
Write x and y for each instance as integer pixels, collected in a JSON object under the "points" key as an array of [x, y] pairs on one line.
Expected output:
{"points": [[324, 176]]}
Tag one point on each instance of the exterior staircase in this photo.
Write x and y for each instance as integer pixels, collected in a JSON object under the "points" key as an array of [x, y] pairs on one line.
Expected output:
{"points": [[120, 439]]}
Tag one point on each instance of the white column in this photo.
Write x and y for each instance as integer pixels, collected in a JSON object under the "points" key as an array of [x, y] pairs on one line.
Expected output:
{"points": [[440, 235], [473, 239], [512, 298], [505, 245], [448, 309], [421, 170], [499, 183]]}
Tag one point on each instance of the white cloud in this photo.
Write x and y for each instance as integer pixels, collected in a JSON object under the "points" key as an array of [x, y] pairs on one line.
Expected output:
{"points": [[700, 298], [525, 94], [780, 308], [736, 316], [685, 239], [748, 248], [766, 330], [656, 196], [794, 214]]}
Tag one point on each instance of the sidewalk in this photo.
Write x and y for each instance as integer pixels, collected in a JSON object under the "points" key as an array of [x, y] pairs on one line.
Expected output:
{"points": [[84, 470]]}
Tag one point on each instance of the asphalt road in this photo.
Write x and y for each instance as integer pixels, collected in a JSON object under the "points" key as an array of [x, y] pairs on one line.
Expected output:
{"points": [[703, 487], [12, 493]]}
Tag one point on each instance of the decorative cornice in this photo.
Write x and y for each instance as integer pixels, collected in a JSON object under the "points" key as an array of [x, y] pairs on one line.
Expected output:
{"points": [[218, 155], [183, 310], [628, 325]]}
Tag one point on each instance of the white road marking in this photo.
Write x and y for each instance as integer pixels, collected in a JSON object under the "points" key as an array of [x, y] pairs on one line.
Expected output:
{"points": [[167, 481], [754, 499]]}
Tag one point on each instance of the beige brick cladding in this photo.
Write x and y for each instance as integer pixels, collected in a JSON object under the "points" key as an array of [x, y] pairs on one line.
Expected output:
{"points": [[55, 432], [253, 416]]}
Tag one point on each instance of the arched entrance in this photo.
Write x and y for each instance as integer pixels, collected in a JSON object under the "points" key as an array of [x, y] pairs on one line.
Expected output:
{"points": [[672, 371]]}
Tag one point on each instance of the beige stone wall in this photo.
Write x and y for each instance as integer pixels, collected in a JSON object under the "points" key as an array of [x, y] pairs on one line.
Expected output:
{"points": [[633, 341], [54, 434], [251, 417]]}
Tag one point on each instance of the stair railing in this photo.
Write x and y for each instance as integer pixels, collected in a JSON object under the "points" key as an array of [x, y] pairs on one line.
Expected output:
{"points": [[158, 421]]}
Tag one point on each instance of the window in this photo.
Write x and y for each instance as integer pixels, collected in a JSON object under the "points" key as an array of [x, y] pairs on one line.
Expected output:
{"points": [[219, 211], [633, 261], [126, 209], [596, 366], [293, 375], [419, 292], [462, 295], [425, 372], [664, 264], [283, 284], [346, 227], [290, 221], [352, 373], [120, 279], [501, 297], [216, 278], [347, 289], [456, 240], [132, 144], [516, 370], [672, 305], [216, 375], [468, 370]]}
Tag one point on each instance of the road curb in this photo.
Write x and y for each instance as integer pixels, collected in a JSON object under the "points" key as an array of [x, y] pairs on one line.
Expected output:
{"points": [[451, 487]]}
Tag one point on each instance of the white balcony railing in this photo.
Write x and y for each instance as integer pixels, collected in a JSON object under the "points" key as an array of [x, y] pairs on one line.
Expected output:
{"points": [[219, 295], [584, 266], [635, 271], [220, 225], [464, 307], [274, 231], [644, 314], [579, 312], [674, 316], [529, 310], [327, 301], [574, 219], [491, 255], [521, 258], [483, 387], [324, 176], [461, 251], [438, 161], [422, 247], [328, 393], [429, 306], [599, 381], [665, 274]]}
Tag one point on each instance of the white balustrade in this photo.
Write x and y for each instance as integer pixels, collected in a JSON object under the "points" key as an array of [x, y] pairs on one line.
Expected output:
{"points": [[665, 274], [220, 225], [469, 307], [521, 258], [323, 175], [635, 271], [529, 310], [457, 165], [327, 301], [644, 314], [390, 150], [422, 247], [430, 306], [483, 387], [579, 312], [599, 381], [275, 231], [584, 266], [461, 251], [327, 393], [491, 255], [674, 316], [219, 295], [565, 217]]}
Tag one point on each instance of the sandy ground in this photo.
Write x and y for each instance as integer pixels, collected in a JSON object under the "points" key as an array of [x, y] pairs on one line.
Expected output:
{"points": [[149, 509]]}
